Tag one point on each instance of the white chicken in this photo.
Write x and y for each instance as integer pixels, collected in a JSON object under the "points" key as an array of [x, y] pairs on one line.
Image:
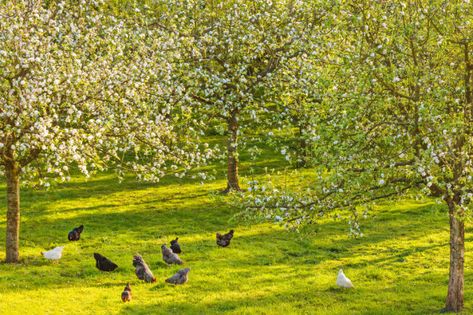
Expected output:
{"points": [[53, 254], [343, 281]]}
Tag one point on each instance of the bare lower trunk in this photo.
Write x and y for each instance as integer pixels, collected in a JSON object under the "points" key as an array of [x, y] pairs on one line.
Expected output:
{"points": [[232, 152], [13, 212], [454, 301]]}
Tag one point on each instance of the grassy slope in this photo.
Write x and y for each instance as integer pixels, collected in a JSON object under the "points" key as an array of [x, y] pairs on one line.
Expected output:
{"points": [[399, 267]]}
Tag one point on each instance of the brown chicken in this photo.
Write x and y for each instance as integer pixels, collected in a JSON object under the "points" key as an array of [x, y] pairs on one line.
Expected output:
{"points": [[126, 294], [224, 240]]}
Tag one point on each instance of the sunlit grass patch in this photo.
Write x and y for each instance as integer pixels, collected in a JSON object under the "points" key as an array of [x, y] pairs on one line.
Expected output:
{"points": [[400, 266]]}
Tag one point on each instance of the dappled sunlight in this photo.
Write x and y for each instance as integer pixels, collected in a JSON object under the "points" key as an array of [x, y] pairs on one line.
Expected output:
{"points": [[403, 255]]}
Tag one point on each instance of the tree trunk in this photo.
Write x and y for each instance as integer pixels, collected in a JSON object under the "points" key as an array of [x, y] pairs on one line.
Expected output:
{"points": [[454, 301], [232, 152], [13, 212]]}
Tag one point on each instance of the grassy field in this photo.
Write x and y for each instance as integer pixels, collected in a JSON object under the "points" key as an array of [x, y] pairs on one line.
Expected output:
{"points": [[399, 267]]}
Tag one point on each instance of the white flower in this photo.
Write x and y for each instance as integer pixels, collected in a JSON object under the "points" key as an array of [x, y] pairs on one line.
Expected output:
{"points": [[396, 79], [381, 182], [278, 218]]}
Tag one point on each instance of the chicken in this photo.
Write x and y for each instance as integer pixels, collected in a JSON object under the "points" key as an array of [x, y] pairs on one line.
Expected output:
{"points": [[74, 235], [126, 294], [53, 254], [180, 277], [142, 270], [224, 240], [175, 247], [103, 263], [169, 257], [343, 281]]}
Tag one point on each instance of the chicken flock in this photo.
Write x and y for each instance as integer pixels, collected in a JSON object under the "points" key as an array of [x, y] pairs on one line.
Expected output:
{"points": [[142, 270]]}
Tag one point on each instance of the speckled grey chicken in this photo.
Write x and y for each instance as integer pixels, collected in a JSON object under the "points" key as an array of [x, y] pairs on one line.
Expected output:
{"points": [[142, 270], [180, 277], [175, 247], [169, 257], [224, 240], [126, 294]]}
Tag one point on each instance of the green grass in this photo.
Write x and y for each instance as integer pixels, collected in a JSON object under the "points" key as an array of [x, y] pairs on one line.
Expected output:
{"points": [[399, 267]]}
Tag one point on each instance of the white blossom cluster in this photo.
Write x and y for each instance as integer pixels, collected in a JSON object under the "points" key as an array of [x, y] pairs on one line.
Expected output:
{"points": [[235, 58], [80, 88]]}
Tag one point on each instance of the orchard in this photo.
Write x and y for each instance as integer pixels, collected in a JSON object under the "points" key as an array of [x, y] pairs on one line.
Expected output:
{"points": [[306, 156]]}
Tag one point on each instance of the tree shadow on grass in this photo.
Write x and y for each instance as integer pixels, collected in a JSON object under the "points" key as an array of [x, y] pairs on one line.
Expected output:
{"points": [[98, 187], [190, 220], [240, 255]]}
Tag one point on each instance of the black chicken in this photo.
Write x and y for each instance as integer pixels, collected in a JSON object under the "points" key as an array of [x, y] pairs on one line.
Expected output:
{"points": [[103, 263], [74, 235], [126, 294], [224, 240], [175, 247], [142, 270]]}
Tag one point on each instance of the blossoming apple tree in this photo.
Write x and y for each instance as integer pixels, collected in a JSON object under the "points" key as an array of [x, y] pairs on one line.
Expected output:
{"points": [[398, 117], [232, 52], [74, 94]]}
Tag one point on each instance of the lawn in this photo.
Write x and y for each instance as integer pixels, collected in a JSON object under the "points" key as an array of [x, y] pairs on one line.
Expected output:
{"points": [[400, 266]]}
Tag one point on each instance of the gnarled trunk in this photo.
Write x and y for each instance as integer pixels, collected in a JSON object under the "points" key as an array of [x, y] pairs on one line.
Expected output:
{"points": [[454, 301], [232, 152], [12, 173]]}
